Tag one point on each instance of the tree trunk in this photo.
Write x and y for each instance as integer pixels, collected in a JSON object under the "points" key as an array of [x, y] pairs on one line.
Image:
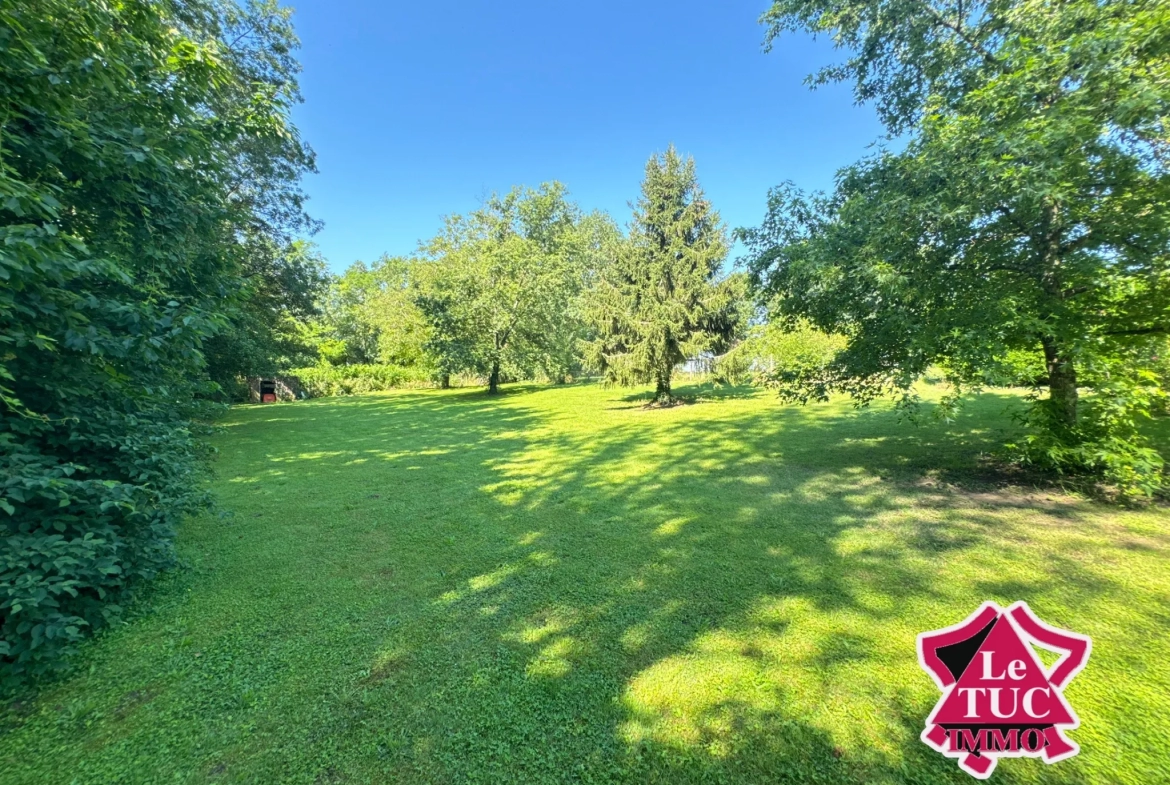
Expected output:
{"points": [[1062, 375], [662, 390], [494, 379], [445, 381], [1062, 383]]}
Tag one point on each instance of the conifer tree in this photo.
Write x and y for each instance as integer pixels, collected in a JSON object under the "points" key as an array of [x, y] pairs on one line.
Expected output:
{"points": [[659, 300]]}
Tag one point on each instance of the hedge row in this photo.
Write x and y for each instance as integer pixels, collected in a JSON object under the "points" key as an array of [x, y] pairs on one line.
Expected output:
{"points": [[326, 380]]}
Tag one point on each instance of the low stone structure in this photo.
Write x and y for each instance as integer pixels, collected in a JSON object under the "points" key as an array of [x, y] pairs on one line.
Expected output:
{"points": [[286, 388]]}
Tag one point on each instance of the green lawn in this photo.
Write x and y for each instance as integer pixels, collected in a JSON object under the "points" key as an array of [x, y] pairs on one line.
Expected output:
{"points": [[560, 586]]}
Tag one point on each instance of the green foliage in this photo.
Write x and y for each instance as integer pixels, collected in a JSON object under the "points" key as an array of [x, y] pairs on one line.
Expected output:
{"points": [[264, 334], [1019, 368], [402, 329], [145, 153], [496, 295], [659, 300], [790, 357], [736, 366], [325, 380], [501, 288], [370, 316], [1026, 214]]}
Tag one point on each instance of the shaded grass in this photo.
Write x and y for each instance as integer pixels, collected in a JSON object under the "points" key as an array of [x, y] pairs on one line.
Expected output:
{"points": [[560, 586]]}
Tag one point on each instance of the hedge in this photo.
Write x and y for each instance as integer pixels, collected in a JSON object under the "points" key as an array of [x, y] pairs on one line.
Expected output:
{"points": [[326, 380]]}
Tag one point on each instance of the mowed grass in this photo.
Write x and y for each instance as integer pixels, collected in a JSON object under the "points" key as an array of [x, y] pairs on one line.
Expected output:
{"points": [[557, 585]]}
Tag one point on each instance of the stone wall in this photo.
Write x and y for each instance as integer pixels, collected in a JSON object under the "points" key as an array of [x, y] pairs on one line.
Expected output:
{"points": [[288, 388]]}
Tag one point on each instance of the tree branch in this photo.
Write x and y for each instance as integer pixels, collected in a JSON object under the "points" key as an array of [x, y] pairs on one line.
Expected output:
{"points": [[1141, 331], [957, 29]]}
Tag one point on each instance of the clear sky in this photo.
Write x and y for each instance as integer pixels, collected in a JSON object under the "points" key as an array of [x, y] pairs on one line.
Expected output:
{"points": [[418, 110]]}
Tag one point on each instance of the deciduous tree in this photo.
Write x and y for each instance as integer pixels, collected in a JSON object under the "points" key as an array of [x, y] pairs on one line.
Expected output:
{"points": [[370, 315], [499, 291], [145, 151], [265, 334], [1027, 212]]}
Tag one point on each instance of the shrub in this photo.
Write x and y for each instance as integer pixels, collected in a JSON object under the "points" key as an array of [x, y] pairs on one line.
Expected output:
{"points": [[326, 380], [736, 365], [1106, 440], [80, 533], [780, 356], [144, 161]]}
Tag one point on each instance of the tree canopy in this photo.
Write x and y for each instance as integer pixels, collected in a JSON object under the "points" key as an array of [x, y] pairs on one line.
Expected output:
{"points": [[1026, 212], [147, 164], [500, 290], [369, 315], [265, 323]]}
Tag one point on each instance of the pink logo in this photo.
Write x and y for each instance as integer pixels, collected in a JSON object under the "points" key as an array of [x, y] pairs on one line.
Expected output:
{"points": [[998, 700]]}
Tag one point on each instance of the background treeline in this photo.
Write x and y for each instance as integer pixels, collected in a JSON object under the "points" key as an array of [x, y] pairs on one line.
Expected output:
{"points": [[1017, 234], [531, 287]]}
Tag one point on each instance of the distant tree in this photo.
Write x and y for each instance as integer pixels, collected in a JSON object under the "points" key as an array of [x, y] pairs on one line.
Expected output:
{"points": [[660, 299], [561, 352], [369, 315], [1027, 212], [781, 355], [344, 334], [401, 325], [499, 288]]}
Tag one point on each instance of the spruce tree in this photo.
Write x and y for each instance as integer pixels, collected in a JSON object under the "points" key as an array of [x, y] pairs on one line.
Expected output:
{"points": [[659, 300]]}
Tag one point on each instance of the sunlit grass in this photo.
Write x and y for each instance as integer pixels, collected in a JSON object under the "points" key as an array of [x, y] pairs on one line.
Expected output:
{"points": [[560, 586]]}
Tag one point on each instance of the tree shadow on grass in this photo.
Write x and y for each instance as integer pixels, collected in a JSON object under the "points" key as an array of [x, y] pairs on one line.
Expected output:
{"points": [[658, 576], [461, 588], [699, 393], [743, 744], [662, 586], [670, 599]]}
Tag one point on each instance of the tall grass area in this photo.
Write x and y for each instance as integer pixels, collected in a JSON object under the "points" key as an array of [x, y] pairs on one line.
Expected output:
{"points": [[558, 585]]}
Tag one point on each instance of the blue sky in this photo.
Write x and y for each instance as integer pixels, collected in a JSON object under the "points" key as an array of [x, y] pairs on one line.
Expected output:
{"points": [[417, 110]]}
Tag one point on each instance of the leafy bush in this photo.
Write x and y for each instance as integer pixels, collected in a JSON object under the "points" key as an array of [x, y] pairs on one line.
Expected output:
{"points": [[98, 462], [144, 162], [781, 356], [1106, 440], [736, 365], [326, 380], [78, 535]]}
